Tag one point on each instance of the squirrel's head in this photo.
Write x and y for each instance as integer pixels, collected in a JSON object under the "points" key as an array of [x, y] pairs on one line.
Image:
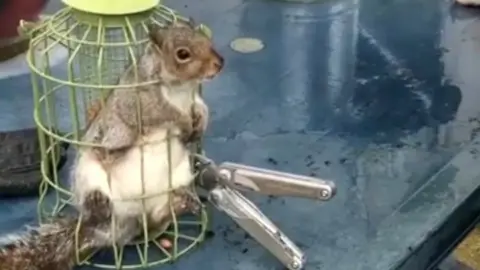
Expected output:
{"points": [[181, 52]]}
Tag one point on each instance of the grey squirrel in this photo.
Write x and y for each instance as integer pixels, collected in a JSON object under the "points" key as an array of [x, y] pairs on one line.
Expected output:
{"points": [[179, 58], [138, 163]]}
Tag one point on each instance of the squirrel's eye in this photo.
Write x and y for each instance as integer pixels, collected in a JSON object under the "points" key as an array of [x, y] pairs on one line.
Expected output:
{"points": [[183, 54]]}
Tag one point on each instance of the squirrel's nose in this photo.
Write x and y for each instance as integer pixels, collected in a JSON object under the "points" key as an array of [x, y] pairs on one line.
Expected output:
{"points": [[218, 61], [218, 64]]}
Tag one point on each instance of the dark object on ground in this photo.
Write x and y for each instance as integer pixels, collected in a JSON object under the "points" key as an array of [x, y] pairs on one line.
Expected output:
{"points": [[20, 161], [16, 47], [12, 11]]}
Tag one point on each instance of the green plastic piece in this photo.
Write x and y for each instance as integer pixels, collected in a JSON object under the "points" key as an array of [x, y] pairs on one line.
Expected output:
{"points": [[106, 7]]}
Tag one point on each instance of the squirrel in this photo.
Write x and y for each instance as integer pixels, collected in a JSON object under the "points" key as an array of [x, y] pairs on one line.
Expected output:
{"points": [[178, 59]]}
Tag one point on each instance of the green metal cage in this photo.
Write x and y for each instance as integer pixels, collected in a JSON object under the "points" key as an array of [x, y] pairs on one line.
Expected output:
{"points": [[99, 47]]}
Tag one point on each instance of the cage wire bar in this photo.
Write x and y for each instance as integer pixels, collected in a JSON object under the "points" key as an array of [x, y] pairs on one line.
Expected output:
{"points": [[99, 48]]}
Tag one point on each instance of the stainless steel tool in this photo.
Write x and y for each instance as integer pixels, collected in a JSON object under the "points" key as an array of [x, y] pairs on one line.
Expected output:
{"points": [[223, 182], [269, 182]]}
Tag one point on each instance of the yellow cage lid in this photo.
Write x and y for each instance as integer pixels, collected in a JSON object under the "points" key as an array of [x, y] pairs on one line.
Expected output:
{"points": [[112, 7]]}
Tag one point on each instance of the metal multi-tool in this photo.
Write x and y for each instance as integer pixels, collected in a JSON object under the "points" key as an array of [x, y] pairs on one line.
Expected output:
{"points": [[223, 183]]}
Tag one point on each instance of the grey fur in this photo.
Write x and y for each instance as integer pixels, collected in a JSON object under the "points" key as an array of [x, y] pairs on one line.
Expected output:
{"points": [[117, 125], [52, 246]]}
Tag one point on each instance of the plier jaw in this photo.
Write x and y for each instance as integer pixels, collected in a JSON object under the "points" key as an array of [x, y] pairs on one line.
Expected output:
{"points": [[224, 182]]}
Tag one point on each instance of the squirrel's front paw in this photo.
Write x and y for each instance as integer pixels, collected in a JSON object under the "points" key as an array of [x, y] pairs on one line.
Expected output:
{"points": [[192, 205], [200, 121], [186, 135], [97, 206], [187, 202]]}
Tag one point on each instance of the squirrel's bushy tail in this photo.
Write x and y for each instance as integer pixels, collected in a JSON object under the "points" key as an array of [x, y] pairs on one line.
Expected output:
{"points": [[54, 246]]}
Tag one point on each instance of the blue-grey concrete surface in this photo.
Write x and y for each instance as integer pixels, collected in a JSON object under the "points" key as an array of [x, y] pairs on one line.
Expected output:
{"points": [[379, 96]]}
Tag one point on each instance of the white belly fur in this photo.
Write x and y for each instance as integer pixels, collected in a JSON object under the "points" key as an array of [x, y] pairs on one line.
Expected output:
{"points": [[125, 175]]}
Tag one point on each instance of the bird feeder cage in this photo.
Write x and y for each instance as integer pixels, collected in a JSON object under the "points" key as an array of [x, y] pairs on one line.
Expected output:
{"points": [[101, 40]]}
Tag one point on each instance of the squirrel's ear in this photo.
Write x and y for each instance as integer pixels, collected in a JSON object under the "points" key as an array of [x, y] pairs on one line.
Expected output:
{"points": [[186, 23], [191, 22], [149, 61], [155, 33]]}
